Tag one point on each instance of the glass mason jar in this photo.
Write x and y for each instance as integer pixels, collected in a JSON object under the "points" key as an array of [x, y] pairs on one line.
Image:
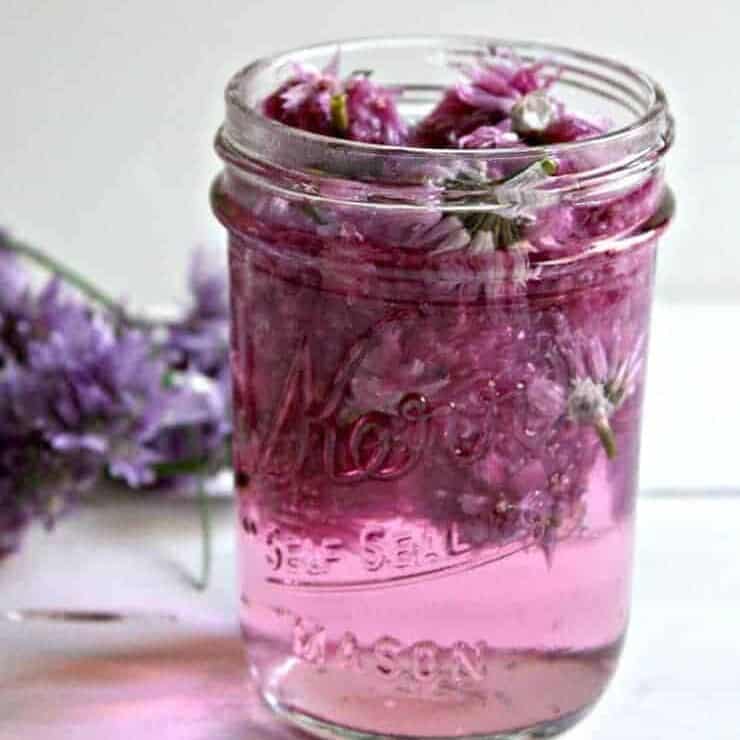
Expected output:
{"points": [[436, 439]]}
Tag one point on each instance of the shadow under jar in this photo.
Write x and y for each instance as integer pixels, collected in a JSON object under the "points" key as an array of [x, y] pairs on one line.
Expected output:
{"points": [[436, 441]]}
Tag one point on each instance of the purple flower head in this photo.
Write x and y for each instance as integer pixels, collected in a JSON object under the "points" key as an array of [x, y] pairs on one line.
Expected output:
{"points": [[200, 341], [196, 423], [372, 115], [592, 378], [497, 83], [483, 98], [197, 419], [319, 101], [35, 480], [451, 120], [570, 127], [209, 288], [14, 281], [503, 101], [82, 395], [490, 137], [304, 100], [99, 393], [16, 307]]}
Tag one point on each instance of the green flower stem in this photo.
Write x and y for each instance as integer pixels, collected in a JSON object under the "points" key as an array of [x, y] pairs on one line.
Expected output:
{"points": [[607, 438], [76, 280], [339, 114], [205, 544], [187, 466]]}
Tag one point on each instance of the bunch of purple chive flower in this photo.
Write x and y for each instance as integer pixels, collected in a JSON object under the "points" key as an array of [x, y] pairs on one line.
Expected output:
{"points": [[89, 392], [500, 100]]}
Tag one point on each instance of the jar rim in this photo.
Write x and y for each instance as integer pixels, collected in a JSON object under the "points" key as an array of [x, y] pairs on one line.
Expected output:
{"points": [[655, 117]]}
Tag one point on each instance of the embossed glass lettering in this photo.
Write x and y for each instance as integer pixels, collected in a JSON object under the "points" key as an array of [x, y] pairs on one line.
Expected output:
{"points": [[468, 662], [309, 642], [424, 661], [386, 651], [349, 652]]}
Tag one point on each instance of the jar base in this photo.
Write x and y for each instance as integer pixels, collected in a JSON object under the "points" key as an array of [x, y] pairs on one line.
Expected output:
{"points": [[517, 695], [329, 731]]}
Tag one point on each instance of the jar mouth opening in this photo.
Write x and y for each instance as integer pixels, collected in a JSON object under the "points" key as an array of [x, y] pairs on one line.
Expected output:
{"points": [[622, 85]]}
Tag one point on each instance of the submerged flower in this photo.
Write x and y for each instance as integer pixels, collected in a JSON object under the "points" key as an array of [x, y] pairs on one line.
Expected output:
{"points": [[497, 226], [596, 376], [588, 403]]}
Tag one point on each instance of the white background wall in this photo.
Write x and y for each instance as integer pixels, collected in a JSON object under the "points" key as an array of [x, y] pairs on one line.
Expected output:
{"points": [[107, 111]]}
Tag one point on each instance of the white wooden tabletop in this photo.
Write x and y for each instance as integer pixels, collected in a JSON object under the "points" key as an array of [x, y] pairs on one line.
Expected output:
{"points": [[178, 672]]}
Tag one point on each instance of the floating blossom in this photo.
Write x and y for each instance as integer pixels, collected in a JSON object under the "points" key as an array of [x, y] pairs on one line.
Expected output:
{"points": [[372, 114], [356, 108], [570, 127], [490, 137], [483, 98], [501, 226], [534, 113], [304, 100], [503, 101]]}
